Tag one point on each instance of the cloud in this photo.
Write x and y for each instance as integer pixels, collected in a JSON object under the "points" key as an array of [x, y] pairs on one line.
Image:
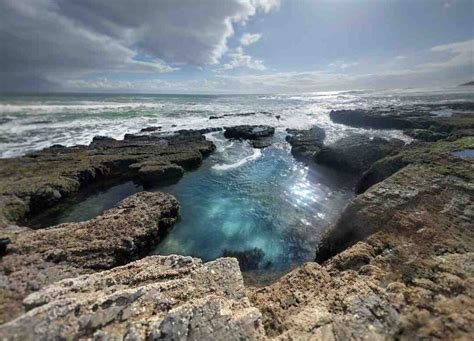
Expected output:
{"points": [[458, 54], [238, 59], [250, 38], [57, 39], [343, 65]]}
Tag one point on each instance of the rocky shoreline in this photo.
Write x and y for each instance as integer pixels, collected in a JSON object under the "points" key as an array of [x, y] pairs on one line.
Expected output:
{"points": [[397, 264]]}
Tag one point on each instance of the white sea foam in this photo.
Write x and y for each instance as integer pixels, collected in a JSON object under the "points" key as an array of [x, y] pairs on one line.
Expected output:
{"points": [[256, 154]]}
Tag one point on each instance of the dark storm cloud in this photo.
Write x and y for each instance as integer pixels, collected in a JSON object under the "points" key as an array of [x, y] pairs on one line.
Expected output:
{"points": [[53, 40]]}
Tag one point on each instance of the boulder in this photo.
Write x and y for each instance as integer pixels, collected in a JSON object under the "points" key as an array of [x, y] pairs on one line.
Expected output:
{"points": [[306, 144], [357, 152], [248, 132], [259, 136]]}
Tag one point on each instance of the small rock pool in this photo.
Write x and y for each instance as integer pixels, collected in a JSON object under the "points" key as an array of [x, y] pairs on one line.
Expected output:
{"points": [[464, 153], [259, 205]]}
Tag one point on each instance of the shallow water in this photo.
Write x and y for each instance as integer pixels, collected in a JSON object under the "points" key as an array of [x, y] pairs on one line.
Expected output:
{"points": [[86, 206]]}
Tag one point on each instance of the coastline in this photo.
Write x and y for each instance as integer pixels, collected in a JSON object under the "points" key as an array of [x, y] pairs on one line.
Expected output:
{"points": [[395, 264]]}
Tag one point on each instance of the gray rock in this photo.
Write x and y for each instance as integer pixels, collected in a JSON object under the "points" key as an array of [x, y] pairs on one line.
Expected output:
{"points": [[306, 144], [202, 301], [357, 152]]}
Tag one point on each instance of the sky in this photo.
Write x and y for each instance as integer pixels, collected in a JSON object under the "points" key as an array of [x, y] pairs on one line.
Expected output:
{"points": [[234, 46]]}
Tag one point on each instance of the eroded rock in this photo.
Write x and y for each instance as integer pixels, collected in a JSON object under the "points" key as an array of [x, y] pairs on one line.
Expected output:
{"points": [[158, 297], [129, 230]]}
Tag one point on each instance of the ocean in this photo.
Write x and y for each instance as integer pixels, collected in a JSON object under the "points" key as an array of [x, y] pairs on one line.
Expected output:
{"points": [[35, 121]]}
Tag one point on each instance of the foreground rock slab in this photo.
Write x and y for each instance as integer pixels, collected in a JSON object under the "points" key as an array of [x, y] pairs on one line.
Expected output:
{"points": [[35, 258], [158, 297]]}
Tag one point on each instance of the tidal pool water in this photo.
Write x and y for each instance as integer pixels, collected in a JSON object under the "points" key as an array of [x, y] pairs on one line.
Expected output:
{"points": [[262, 206]]}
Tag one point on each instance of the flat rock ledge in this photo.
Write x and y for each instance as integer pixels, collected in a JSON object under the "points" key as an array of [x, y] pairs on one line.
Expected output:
{"points": [[40, 180], [126, 232], [158, 297], [259, 136]]}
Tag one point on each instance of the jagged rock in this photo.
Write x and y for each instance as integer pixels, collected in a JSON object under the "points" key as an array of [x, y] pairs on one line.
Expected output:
{"points": [[357, 152], [259, 136], [305, 144], [158, 297], [129, 230], [39, 180]]}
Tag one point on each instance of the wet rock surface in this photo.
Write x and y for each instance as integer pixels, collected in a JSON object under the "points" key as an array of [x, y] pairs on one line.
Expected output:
{"points": [[171, 298], [35, 258], [357, 152], [306, 144], [259, 136], [41, 179], [438, 155]]}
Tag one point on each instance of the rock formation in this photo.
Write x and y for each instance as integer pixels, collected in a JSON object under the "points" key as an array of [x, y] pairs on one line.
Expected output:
{"points": [[35, 258], [259, 136], [306, 144], [357, 152], [170, 298]]}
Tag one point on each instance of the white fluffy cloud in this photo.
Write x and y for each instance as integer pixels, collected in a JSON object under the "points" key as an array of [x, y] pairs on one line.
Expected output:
{"points": [[238, 59], [54, 40], [250, 38]]}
